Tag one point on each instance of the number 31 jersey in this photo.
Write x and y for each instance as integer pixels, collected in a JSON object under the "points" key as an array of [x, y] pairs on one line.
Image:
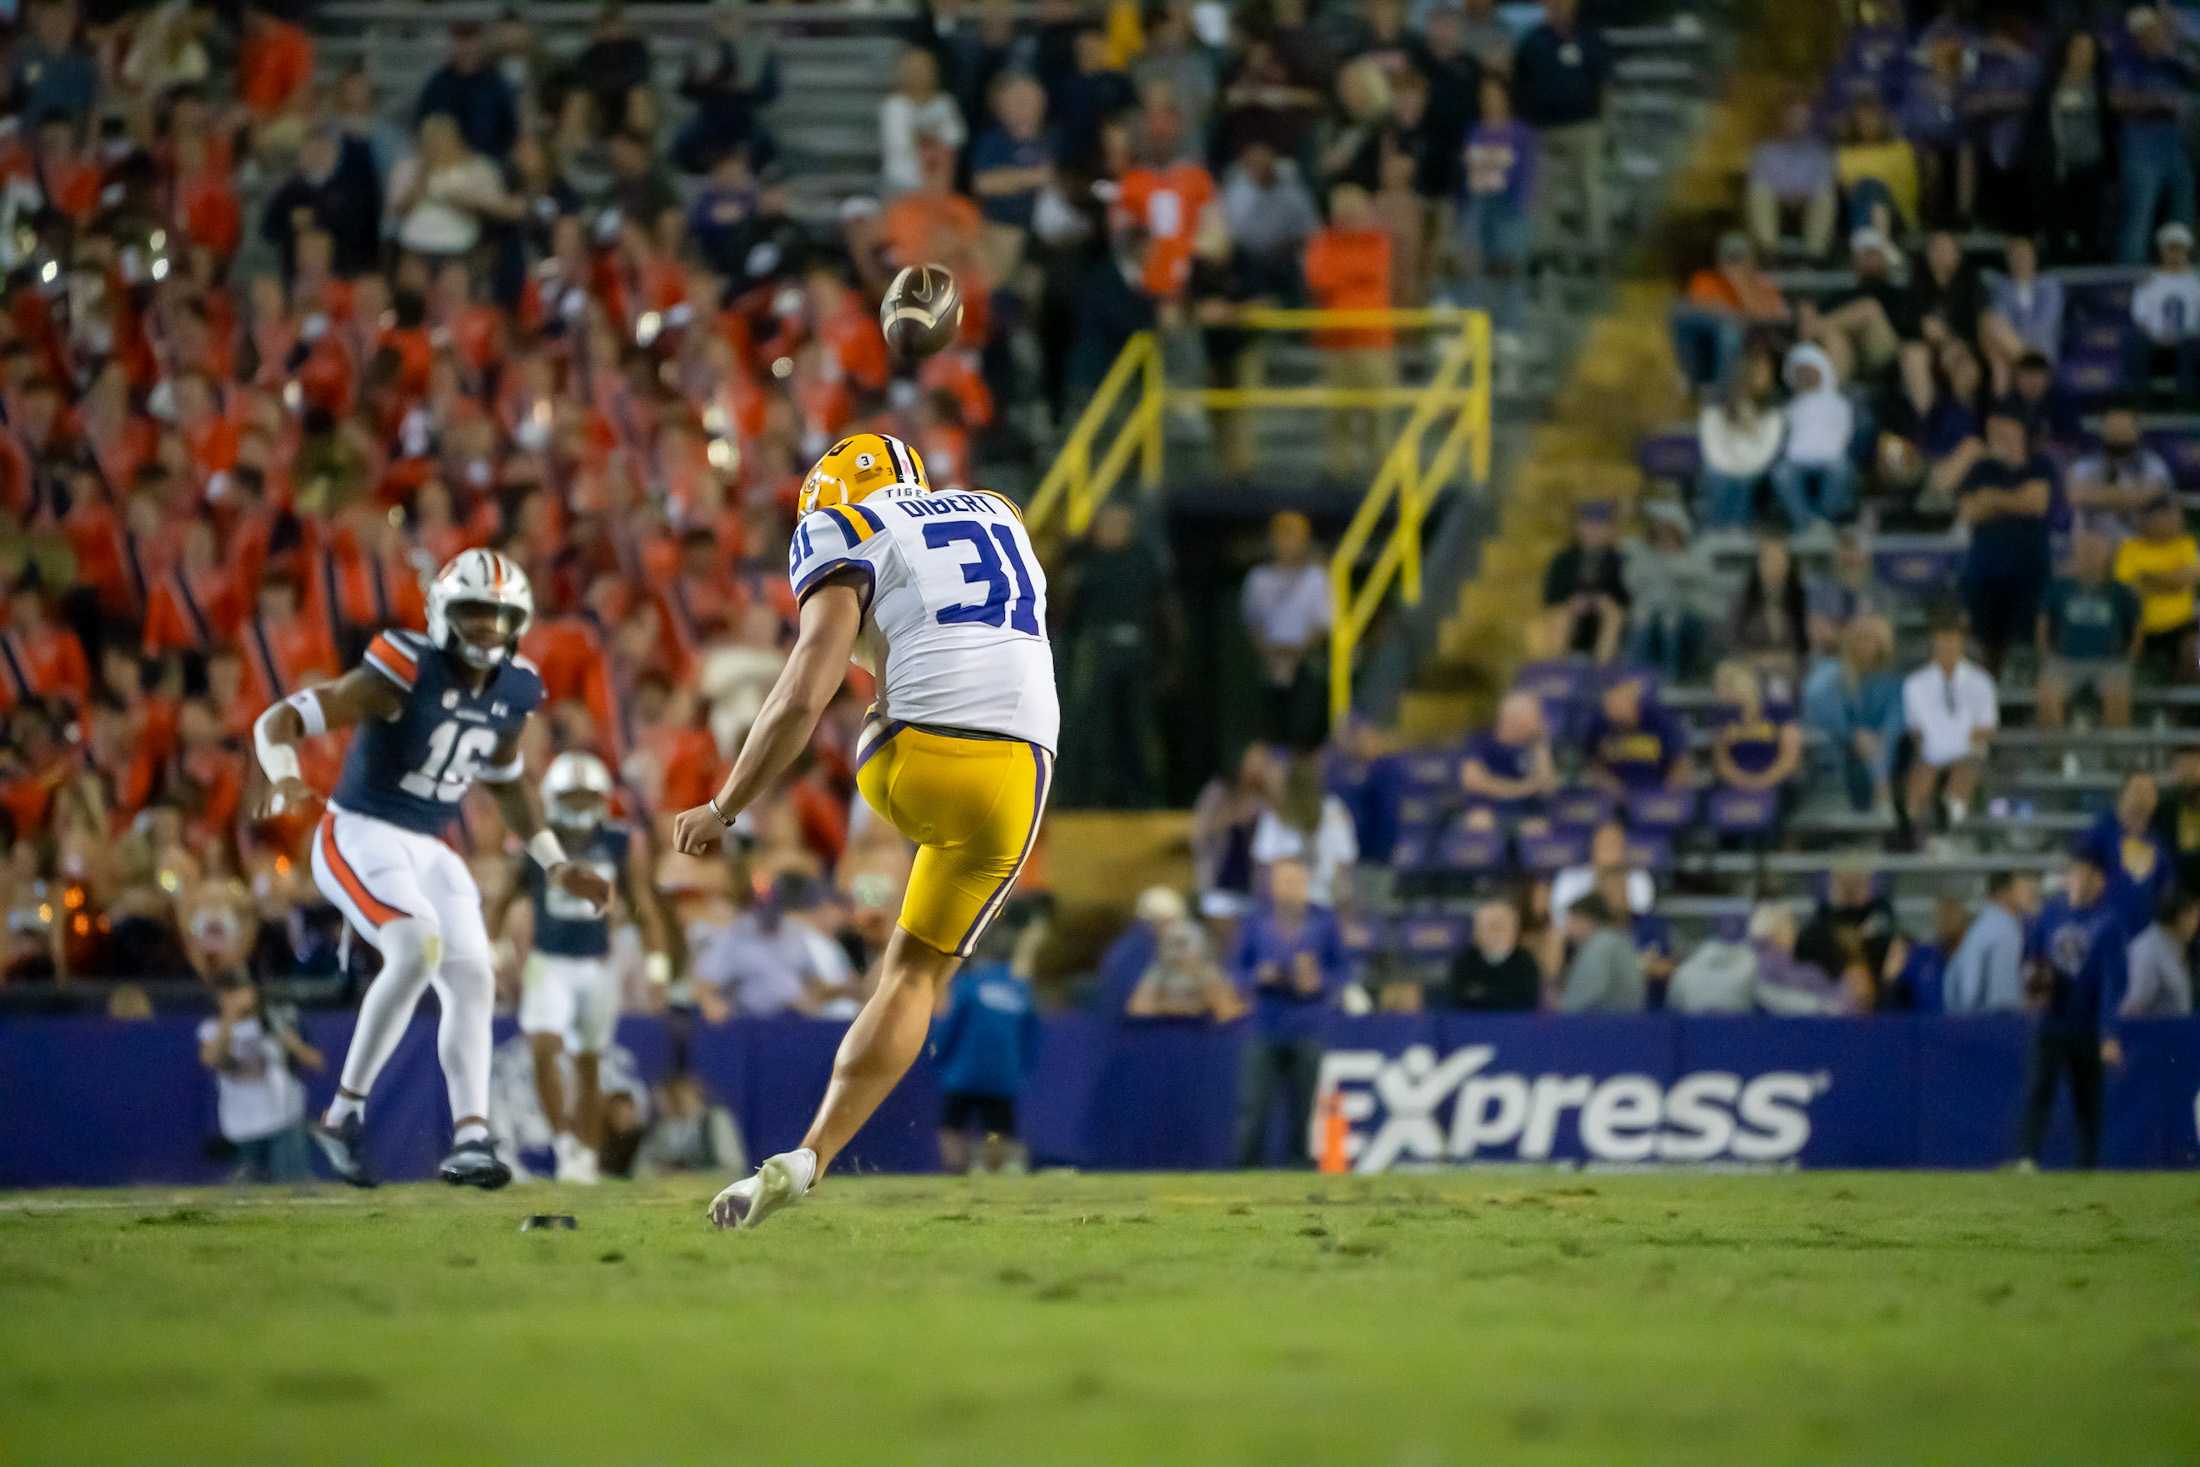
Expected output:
{"points": [[955, 607], [412, 770]]}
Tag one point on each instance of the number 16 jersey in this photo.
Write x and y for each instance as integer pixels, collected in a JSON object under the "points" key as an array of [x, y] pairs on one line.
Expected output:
{"points": [[413, 769], [955, 607]]}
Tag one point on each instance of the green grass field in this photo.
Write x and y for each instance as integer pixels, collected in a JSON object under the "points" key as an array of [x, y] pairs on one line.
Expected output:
{"points": [[1490, 1316]]}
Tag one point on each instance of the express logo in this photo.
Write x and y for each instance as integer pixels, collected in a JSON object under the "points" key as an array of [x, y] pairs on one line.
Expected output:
{"points": [[1417, 1109]]}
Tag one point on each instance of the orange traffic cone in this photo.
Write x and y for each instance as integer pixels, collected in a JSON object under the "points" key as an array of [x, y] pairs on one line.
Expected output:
{"points": [[1331, 1157]]}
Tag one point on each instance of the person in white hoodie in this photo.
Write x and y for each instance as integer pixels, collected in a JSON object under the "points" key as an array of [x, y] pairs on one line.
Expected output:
{"points": [[1815, 480]]}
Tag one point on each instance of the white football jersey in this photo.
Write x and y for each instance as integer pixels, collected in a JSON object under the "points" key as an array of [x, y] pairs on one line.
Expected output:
{"points": [[955, 613]]}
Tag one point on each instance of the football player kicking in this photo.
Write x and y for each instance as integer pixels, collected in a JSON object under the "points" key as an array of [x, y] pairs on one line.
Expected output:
{"points": [[940, 595], [434, 715], [569, 992]]}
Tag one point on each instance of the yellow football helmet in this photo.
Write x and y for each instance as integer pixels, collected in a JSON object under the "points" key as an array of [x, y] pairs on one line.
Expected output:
{"points": [[857, 467]]}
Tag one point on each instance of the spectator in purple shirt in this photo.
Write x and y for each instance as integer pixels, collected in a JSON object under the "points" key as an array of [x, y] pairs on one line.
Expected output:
{"points": [[1634, 745], [2149, 91], [1758, 745], [1289, 960], [1997, 94], [1494, 218], [1932, 119], [2024, 312], [1509, 771], [1791, 177]]}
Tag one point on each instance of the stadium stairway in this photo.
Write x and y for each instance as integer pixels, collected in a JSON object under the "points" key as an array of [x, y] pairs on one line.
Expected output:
{"points": [[1621, 383]]}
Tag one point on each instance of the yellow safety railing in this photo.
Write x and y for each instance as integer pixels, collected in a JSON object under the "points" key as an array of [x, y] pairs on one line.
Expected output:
{"points": [[1455, 402]]}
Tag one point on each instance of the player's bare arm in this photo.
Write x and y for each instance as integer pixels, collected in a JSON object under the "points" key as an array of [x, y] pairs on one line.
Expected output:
{"points": [[356, 697], [522, 812], [663, 944], [831, 618]]}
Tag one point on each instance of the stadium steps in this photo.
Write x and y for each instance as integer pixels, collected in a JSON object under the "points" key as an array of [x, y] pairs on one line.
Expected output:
{"points": [[1623, 385]]}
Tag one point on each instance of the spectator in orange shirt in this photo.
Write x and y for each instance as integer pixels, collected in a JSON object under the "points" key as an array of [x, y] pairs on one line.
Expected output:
{"points": [[1724, 304], [934, 224], [68, 176], [284, 650], [36, 760], [847, 328], [39, 657], [205, 775], [211, 437], [1348, 269], [194, 604], [206, 208], [363, 581], [274, 63], [1169, 198]]}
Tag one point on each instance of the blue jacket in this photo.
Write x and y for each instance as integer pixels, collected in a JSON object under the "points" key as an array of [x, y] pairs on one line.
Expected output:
{"points": [[2082, 951], [2135, 897], [988, 1040], [1267, 949]]}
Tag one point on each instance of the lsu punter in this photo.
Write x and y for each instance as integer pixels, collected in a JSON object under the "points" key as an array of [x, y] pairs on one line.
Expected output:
{"points": [[939, 595], [569, 992], [434, 714]]}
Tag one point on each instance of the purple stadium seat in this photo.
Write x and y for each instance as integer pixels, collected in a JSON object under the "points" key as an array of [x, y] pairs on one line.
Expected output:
{"points": [[2092, 373], [1918, 572], [1475, 852], [2097, 337], [1544, 854], [1430, 771], [1648, 851], [1426, 810], [2180, 449], [1364, 937], [1661, 811], [1742, 812], [1581, 810], [1670, 456], [1431, 937]]}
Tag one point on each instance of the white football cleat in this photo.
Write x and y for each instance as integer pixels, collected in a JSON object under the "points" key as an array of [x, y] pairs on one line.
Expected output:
{"points": [[780, 1180], [576, 1161]]}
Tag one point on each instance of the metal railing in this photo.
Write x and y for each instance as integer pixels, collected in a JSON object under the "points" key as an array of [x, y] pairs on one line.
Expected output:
{"points": [[1385, 531]]}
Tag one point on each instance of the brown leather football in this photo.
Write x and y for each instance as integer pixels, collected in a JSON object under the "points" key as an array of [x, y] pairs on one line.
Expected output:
{"points": [[921, 311]]}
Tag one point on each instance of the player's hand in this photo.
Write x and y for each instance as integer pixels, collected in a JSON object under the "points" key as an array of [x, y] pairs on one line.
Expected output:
{"points": [[284, 796], [584, 882], [696, 829]]}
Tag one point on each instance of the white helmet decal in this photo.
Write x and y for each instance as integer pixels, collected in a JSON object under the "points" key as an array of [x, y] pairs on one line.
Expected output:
{"points": [[479, 577]]}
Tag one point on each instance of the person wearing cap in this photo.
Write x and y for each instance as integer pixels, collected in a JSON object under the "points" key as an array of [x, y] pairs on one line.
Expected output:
{"points": [[1951, 709], [1585, 594], [1724, 302], [1861, 329], [2075, 952], [1286, 607], [2162, 564], [2166, 309], [2088, 636], [1673, 590], [2150, 89], [2005, 501], [1791, 177], [475, 93]]}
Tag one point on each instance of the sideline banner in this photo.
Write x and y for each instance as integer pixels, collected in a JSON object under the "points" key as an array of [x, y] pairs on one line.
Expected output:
{"points": [[93, 1102]]}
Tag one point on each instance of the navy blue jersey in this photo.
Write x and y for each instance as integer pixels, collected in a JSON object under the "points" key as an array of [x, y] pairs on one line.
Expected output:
{"points": [[565, 926], [414, 769], [2082, 949]]}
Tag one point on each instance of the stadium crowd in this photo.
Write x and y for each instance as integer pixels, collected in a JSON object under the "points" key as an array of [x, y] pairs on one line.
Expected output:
{"points": [[275, 345]]}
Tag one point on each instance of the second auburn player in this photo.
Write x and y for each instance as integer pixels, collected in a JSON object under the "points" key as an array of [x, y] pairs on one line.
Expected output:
{"points": [[941, 596]]}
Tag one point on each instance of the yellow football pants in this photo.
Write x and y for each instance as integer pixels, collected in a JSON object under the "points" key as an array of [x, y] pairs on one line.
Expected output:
{"points": [[972, 805]]}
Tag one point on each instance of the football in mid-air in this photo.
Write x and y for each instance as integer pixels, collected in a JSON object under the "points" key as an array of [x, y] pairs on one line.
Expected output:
{"points": [[921, 311]]}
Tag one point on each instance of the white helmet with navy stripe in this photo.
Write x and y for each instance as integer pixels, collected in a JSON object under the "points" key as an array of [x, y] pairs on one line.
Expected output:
{"points": [[475, 580], [577, 784]]}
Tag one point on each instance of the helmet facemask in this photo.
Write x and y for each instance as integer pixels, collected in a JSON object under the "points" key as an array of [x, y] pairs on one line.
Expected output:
{"points": [[482, 633]]}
